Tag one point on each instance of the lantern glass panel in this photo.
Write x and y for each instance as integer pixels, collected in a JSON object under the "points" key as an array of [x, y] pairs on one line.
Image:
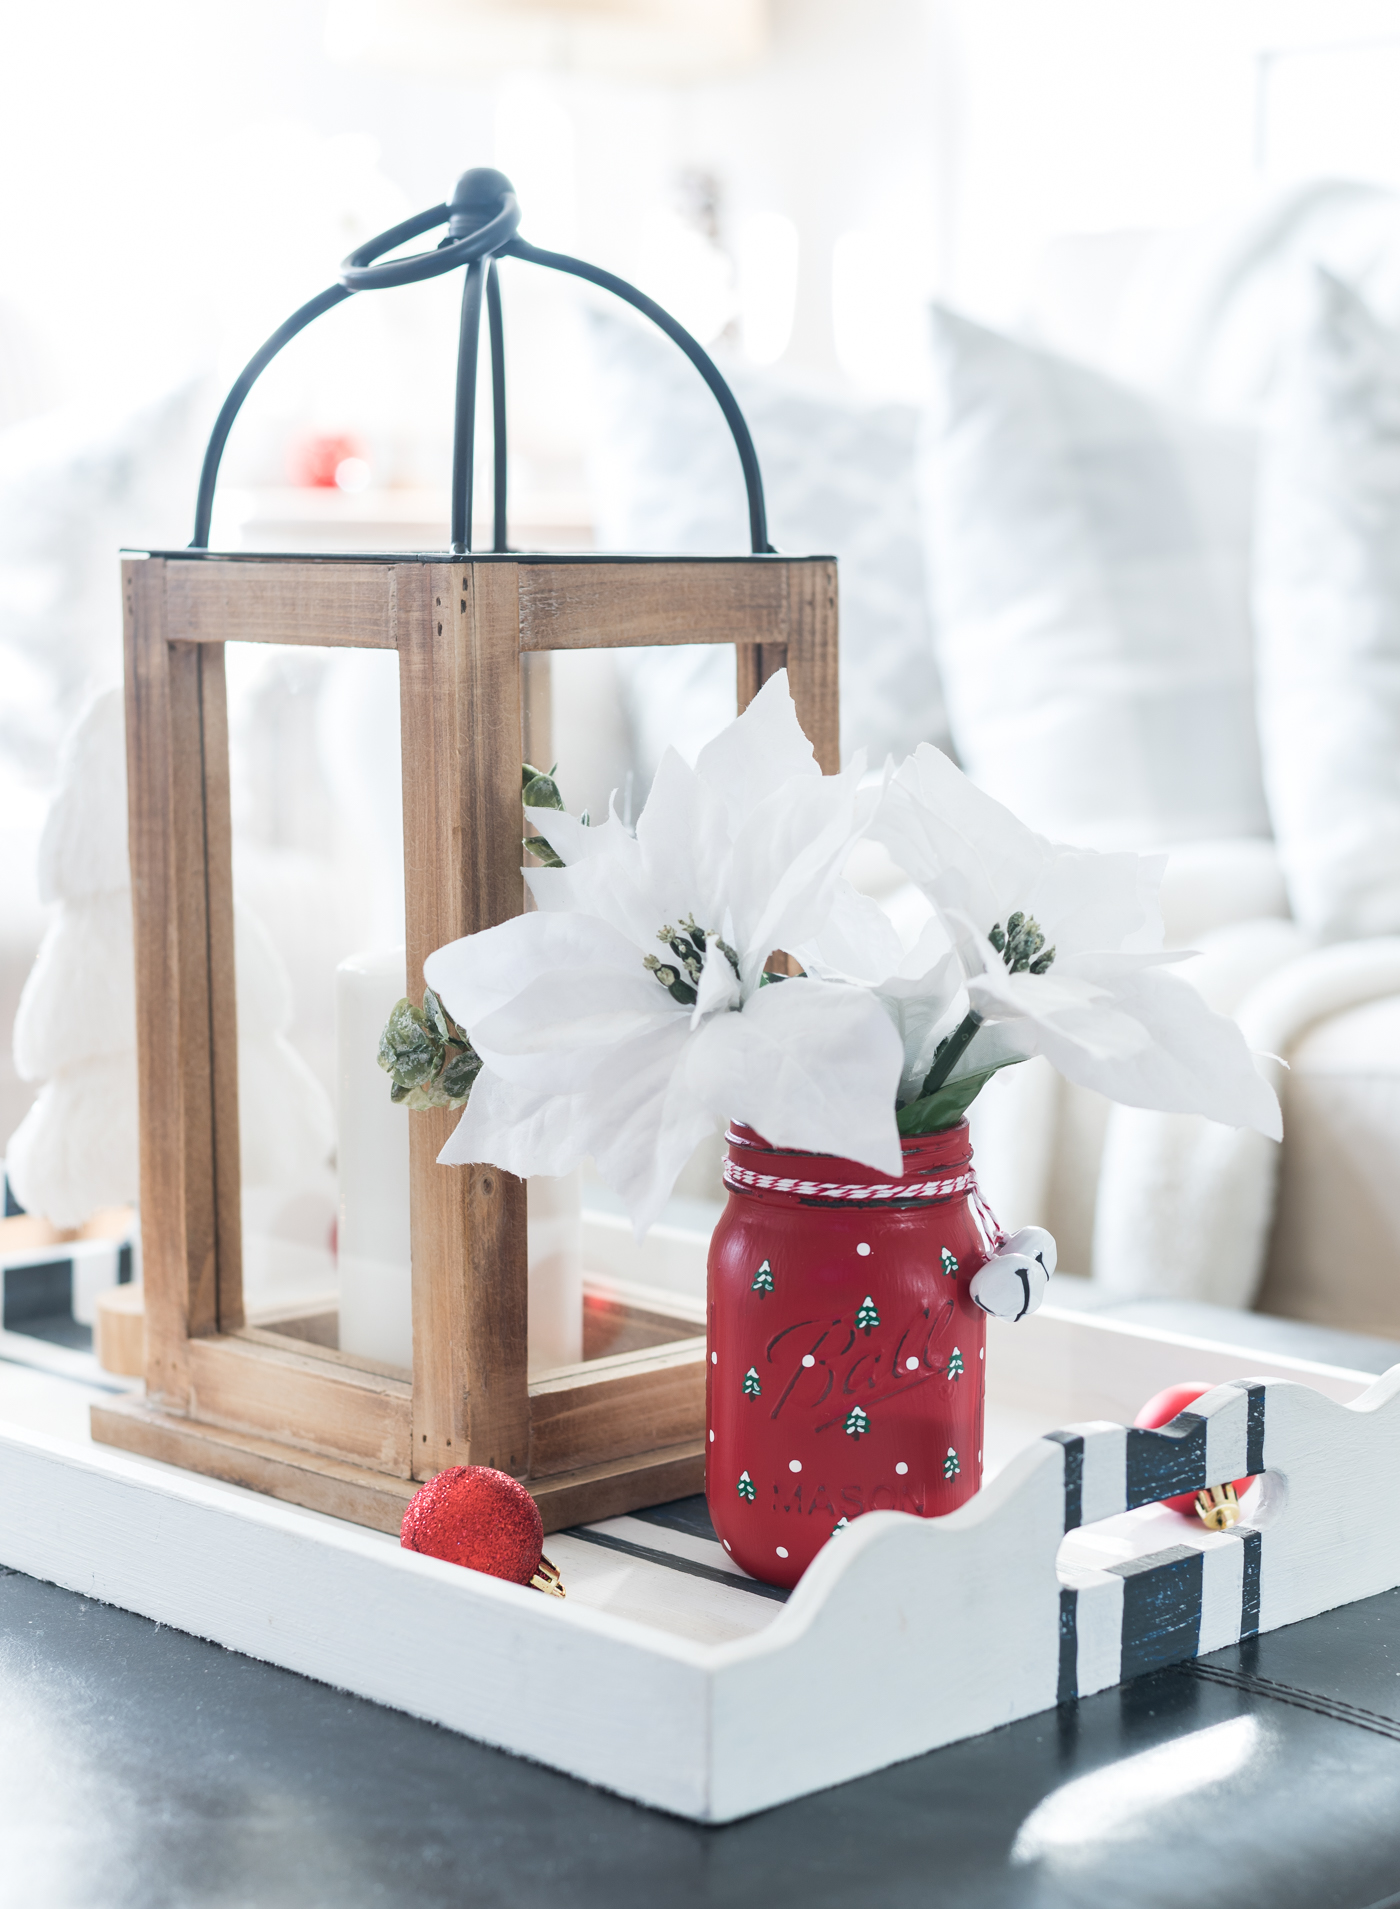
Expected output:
{"points": [[317, 826]]}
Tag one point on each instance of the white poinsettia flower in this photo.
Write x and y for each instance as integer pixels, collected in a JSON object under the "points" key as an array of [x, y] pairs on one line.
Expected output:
{"points": [[626, 1018], [1060, 955], [920, 987]]}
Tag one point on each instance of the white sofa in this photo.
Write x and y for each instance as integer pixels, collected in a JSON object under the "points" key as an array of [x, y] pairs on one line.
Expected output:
{"points": [[1097, 663]]}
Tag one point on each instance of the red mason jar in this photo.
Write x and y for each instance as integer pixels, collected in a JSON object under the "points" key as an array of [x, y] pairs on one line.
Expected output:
{"points": [[846, 1360]]}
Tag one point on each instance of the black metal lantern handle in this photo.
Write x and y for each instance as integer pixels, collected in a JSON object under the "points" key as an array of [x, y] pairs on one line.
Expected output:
{"points": [[482, 220]]}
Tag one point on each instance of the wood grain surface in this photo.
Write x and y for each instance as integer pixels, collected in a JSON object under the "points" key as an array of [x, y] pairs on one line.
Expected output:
{"points": [[363, 1496], [270, 1465], [154, 860], [223, 1007], [606, 605], [362, 1417], [616, 1407], [119, 1331], [282, 600], [462, 744]]}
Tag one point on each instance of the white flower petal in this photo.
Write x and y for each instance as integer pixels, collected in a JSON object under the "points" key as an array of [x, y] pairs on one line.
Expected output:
{"points": [[574, 840], [561, 1029], [997, 1044], [970, 854], [646, 1123], [923, 1009], [609, 885], [858, 943], [807, 1064], [1143, 1036], [788, 862], [517, 1129], [637, 1127], [998, 994], [758, 752], [683, 836], [1195, 1061], [480, 973]]}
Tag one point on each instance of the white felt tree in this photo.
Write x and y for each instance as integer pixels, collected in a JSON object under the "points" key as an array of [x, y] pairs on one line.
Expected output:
{"points": [[76, 1149]]}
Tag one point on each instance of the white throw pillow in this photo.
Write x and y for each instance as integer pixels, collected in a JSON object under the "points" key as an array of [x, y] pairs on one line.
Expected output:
{"points": [[1327, 607], [839, 480], [1089, 559]]}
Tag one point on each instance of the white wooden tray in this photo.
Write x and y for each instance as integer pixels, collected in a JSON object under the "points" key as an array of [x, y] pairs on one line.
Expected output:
{"points": [[669, 1677]]}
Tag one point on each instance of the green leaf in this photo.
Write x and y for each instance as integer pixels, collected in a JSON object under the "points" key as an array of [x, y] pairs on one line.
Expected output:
{"points": [[539, 790], [459, 1075], [537, 846], [419, 1099], [943, 1108], [434, 1013], [409, 1049]]}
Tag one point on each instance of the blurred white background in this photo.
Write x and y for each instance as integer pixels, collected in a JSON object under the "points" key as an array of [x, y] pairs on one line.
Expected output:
{"points": [[795, 179]]}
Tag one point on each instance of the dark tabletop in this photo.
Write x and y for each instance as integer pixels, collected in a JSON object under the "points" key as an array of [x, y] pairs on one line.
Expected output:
{"points": [[141, 1767]]}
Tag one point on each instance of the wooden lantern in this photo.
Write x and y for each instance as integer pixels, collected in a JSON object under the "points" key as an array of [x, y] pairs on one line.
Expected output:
{"points": [[269, 1409]]}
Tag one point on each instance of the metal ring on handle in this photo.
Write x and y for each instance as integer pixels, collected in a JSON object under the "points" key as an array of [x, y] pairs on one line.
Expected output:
{"points": [[359, 273], [482, 218]]}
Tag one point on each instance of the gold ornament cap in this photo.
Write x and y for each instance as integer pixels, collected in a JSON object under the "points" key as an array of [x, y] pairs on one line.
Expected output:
{"points": [[548, 1580], [1217, 1507]]}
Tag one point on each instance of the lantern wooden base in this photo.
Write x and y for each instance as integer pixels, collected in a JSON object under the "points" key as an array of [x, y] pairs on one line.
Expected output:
{"points": [[365, 1497]]}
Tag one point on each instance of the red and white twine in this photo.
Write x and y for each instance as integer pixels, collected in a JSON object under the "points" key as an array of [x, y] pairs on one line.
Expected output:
{"points": [[741, 1179], [745, 1180]]}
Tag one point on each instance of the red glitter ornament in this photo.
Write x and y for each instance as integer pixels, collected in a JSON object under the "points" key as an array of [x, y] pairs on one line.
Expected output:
{"points": [[479, 1517]]}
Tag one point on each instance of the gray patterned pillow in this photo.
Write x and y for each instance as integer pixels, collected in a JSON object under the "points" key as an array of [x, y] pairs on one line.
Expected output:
{"points": [[839, 479]]}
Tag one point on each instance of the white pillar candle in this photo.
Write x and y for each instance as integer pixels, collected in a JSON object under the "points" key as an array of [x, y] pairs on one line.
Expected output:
{"points": [[376, 1308], [555, 1228]]}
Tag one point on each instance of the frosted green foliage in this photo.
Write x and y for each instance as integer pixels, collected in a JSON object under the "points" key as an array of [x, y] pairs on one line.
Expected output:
{"points": [[857, 1422], [429, 1060], [746, 1489], [866, 1316], [752, 1388], [948, 1262], [951, 1467], [763, 1279], [539, 790], [955, 1364]]}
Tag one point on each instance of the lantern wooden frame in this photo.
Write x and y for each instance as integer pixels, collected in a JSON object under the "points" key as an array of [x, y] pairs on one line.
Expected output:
{"points": [[302, 1422]]}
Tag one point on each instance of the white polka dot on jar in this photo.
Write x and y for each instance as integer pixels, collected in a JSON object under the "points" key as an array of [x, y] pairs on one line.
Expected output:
{"points": [[712, 1438], [782, 1550], [863, 1250], [807, 1359], [901, 1468], [727, 1545], [911, 1365], [794, 1464], [714, 1358]]}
